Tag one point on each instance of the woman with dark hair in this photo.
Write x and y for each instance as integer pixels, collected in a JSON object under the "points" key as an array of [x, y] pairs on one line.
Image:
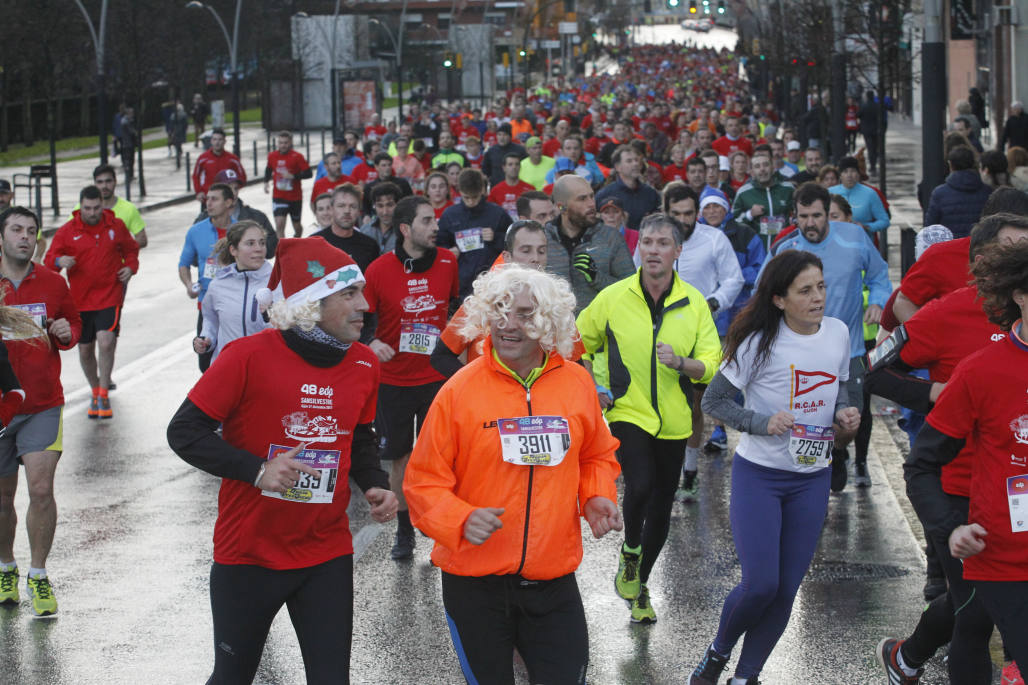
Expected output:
{"points": [[994, 169], [792, 364], [985, 398]]}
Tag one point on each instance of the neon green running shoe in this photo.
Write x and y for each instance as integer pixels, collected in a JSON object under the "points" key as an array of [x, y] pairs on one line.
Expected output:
{"points": [[44, 604], [626, 582], [642, 610], [9, 587]]}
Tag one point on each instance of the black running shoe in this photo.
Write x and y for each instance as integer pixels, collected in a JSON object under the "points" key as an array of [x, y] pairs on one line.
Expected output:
{"points": [[839, 471], [710, 668], [404, 546], [861, 478]]}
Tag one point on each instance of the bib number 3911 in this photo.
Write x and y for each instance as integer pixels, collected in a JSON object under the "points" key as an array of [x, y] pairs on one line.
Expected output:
{"points": [[309, 489], [811, 445], [534, 440]]}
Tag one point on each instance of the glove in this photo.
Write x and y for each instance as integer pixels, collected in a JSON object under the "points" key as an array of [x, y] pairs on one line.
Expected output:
{"points": [[585, 265], [713, 304]]}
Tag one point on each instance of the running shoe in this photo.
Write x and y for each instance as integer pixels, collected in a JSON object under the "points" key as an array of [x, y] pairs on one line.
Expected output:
{"points": [[642, 610], [403, 548], [861, 478], [9, 586], [104, 410], [689, 488], [718, 440], [626, 582], [749, 681], [933, 587], [887, 654], [1012, 674], [839, 474], [94, 408], [709, 669], [44, 604]]}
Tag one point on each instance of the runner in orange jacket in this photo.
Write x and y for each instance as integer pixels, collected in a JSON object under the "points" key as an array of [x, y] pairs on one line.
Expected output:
{"points": [[513, 451]]}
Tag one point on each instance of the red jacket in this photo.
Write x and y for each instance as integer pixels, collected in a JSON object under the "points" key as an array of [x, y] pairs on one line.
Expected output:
{"points": [[45, 295], [99, 252], [209, 164]]}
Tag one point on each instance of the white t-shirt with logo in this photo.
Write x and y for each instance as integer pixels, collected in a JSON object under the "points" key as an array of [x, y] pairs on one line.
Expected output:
{"points": [[801, 376]]}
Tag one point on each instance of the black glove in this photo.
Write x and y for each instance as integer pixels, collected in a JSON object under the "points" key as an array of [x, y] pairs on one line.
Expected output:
{"points": [[713, 304], [585, 265]]}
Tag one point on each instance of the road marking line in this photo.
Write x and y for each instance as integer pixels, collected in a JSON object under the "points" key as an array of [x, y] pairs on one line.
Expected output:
{"points": [[136, 371]]}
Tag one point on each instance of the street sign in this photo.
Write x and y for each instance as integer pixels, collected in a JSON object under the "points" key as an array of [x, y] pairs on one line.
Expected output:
{"points": [[549, 44], [567, 27]]}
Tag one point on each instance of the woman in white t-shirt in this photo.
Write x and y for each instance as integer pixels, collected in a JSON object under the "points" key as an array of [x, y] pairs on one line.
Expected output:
{"points": [[791, 363]]}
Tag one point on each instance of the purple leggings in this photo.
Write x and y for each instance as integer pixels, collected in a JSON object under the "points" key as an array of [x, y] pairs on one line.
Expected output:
{"points": [[776, 522]]}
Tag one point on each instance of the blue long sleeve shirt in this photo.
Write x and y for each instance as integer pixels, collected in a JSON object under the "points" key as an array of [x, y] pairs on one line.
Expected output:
{"points": [[198, 251], [850, 261], [868, 209]]}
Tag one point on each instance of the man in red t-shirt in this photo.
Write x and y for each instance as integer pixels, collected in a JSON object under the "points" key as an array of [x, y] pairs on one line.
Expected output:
{"points": [[333, 177], [506, 192], [410, 289], [295, 404], [33, 437], [286, 167], [732, 141], [211, 162]]}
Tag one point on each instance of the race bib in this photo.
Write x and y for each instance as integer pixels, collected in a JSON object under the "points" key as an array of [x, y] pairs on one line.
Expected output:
{"points": [[37, 311], [470, 239], [811, 445], [770, 225], [1017, 501], [418, 338], [309, 489], [284, 183], [534, 440], [210, 268]]}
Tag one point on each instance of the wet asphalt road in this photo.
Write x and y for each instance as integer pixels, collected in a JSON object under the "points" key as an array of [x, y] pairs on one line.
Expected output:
{"points": [[133, 550]]}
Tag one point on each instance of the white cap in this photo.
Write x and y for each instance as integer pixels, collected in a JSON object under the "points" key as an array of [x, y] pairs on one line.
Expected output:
{"points": [[793, 145]]}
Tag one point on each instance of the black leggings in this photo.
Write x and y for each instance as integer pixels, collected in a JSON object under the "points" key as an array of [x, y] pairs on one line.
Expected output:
{"points": [[245, 600], [489, 616], [1007, 604], [651, 467], [957, 617]]}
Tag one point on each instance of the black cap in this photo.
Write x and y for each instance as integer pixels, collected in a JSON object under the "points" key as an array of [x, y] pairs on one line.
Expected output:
{"points": [[5, 186]]}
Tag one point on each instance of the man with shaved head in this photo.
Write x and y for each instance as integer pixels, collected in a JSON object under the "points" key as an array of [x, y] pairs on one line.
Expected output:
{"points": [[580, 247]]}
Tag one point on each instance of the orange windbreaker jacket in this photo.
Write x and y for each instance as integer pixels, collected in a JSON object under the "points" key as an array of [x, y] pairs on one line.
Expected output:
{"points": [[457, 467]]}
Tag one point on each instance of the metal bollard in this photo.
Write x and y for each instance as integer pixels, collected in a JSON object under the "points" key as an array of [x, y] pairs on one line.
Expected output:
{"points": [[189, 184], [322, 143], [308, 137], [255, 158], [907, 237]]}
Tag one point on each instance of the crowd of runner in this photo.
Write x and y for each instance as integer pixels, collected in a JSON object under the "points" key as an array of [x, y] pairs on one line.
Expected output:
{"points": [[514, 306]]}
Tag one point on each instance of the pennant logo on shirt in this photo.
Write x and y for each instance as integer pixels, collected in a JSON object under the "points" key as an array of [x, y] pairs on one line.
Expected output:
{"points": [[808, 381]]}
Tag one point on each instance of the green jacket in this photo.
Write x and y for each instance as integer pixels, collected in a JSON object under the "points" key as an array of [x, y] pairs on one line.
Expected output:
{"points": [[776, 200], [646, 393]]}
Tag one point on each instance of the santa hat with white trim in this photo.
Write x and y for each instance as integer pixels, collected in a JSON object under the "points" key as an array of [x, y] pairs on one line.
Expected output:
{"points": [[308, 270]]}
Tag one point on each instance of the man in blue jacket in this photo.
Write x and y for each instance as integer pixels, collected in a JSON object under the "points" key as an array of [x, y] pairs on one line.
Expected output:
{"points": [[473, 229], [198, 250], [957, 203]]}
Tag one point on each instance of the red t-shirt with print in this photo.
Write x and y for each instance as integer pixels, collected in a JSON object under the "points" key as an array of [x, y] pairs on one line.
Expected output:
{"points": [[286, 189]]}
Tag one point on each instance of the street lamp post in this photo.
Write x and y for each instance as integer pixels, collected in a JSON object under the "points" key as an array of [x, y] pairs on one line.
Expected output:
{"points": [[399, 63], [101, 77], [233, 46]]}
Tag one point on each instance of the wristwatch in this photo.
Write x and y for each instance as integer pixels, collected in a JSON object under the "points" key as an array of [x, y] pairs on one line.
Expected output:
{"points": [[713, 304]]}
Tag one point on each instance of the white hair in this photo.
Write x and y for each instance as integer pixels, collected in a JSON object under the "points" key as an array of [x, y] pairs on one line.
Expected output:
{"points": [[553, 319], [284, 316]]}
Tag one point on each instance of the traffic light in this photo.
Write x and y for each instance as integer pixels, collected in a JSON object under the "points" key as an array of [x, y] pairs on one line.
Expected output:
{"points": [[672, 4], [448, 60], [721, 6], [692, 7]]}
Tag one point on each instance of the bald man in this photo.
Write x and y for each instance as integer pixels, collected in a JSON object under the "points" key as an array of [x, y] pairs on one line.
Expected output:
{"points": [[581, 248]]}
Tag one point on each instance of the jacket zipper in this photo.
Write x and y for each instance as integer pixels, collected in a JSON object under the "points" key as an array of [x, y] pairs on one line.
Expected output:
{"points": [[246, 292], [528, 497]]}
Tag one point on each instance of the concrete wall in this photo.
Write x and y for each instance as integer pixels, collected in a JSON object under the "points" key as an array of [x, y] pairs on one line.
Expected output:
{"points": [[312, 48]]}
